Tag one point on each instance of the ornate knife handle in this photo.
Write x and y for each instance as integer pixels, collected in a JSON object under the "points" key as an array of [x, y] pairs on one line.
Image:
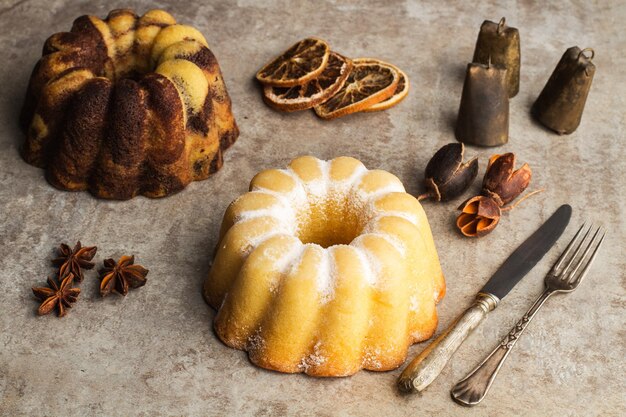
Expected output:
{"points": [[474, 387], [428, 365]]}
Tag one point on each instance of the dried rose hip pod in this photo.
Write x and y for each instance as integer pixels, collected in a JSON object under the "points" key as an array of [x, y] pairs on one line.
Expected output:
{"points": [[479, 216], [446, 175], [501, 182]]}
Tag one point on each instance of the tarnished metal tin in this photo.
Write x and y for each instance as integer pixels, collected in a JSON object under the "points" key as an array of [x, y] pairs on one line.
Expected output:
{"points": [[499, 44], [484, 111], [561, 103]]}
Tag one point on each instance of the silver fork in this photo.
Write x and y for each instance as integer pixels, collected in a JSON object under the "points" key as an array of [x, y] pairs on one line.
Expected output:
{"points": [[565, 276]]}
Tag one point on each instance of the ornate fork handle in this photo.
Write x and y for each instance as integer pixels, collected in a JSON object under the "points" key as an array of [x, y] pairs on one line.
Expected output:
{"points": [[473, 388]]}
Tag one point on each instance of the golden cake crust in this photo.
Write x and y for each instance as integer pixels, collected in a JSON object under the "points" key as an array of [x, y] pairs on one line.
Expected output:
{"points": [[325, 268]]}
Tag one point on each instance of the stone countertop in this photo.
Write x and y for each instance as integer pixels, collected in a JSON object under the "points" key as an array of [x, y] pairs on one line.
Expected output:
{"points": [[154, 352]]}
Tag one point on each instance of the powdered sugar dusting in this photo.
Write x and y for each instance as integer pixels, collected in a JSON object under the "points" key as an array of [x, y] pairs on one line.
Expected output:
{"points": [[403, 215], [419, 335], [255, 341], [414, 303], [316, 358], [371, 196], [344, 186], [294, 206], [373, 264], [288, 261], [277, 211], [293, 199], [393, 240], [318, 187], [289, 258], [255, 241], [295, 203], [326, 277], [368, 274], [371, 358]]}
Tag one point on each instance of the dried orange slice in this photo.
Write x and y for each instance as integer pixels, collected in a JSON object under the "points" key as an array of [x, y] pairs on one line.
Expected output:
{"points": [[311, 93], [402, 90], [368, 83], [302, 62]]}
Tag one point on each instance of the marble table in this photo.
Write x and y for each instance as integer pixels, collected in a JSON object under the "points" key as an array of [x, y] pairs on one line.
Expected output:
{"points": [[154, 352]]}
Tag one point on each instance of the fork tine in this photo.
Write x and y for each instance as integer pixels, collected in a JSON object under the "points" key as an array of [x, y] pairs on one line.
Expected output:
{"points": [[576, 262], [571, 264], [563, 257], [585, 269]]}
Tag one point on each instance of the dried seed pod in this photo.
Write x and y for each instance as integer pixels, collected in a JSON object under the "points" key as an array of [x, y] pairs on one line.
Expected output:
{"points": [[501, 182], [447, 177], [479, 216], [501, 185]]}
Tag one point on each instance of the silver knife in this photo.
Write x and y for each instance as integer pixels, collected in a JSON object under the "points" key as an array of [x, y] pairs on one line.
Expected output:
{"points": [[428, 365]]}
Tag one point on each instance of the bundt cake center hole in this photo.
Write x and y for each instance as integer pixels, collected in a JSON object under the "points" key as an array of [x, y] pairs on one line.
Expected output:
{"points": [[132, 74], [123, 69], [333, 221]]}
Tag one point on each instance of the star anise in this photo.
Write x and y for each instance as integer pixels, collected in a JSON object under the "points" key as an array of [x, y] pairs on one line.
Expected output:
{"points": [[55, 295], [121, 276], [74, 260]]}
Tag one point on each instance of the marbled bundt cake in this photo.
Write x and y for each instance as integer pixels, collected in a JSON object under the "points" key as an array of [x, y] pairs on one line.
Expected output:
{"points": [[127, 105], [325, 268]]}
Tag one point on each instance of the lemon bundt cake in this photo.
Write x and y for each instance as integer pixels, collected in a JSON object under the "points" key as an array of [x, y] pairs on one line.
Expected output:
{"points": [[325, 268], [127, 105]]}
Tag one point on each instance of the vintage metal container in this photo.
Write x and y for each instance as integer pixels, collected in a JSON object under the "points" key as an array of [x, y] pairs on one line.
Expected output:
{"points": [[499, 44], [561, 103], [483, 118]]}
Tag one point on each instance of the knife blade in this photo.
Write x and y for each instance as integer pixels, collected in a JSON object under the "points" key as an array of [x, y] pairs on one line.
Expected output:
{"points": [[423, 370], [526, 256]]}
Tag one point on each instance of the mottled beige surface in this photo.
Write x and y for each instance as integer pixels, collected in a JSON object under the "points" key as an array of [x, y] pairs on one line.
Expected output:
{"points": [[154, 353]]}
